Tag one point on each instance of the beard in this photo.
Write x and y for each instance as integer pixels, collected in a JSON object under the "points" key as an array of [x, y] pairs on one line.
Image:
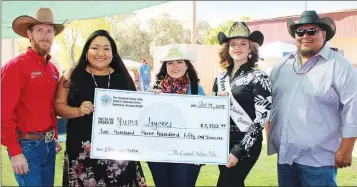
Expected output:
{"points": [[42, 51], [306, 52]]}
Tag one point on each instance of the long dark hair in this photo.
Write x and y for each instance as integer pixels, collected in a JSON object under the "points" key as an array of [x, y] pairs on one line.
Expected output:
{"points": [[117, 64], [192, 74]]}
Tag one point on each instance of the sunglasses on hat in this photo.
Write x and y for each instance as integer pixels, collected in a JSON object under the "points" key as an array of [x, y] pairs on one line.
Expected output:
{"points": [[310, 32]]}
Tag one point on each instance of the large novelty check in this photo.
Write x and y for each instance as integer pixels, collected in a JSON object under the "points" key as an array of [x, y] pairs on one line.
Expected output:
{"points": [[160, 127]]}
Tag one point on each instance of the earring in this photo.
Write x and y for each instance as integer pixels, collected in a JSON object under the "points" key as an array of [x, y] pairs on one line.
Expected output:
{"points": [[249, 55], [86, 58]]}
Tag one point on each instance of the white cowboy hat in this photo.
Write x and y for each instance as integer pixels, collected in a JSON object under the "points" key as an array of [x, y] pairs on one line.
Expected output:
{"points": [[42, 16], [178, 52]]}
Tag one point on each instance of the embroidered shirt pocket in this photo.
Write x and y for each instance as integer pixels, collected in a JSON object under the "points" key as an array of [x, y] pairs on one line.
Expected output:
{"points": [[36, 74]]}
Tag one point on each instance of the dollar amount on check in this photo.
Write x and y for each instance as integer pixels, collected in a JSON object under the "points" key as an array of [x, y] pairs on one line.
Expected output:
{"points": [[160, 127]]}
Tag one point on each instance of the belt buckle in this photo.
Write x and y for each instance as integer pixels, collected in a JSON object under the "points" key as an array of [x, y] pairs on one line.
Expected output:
{"points": [[49, 136]]}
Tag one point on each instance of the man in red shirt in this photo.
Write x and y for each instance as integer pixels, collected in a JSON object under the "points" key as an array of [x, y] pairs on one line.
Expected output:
{"points": [[28, 122]]}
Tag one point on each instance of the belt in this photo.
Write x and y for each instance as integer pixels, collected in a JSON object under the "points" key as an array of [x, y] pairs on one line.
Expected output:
{"points": [[47, 136]]}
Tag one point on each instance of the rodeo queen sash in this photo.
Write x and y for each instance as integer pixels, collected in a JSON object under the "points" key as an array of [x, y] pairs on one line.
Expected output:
{"points": [[237, 113]]}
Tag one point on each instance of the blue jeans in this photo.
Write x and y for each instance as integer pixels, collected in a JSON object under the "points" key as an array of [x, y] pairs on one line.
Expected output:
{"points": [[174, 174], [146, 84], [301, 175], [41, 159]]}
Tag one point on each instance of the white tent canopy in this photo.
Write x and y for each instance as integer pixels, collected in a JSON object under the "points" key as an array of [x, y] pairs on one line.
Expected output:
{"points": [[67, 10], [276, 50], [130, 64]]}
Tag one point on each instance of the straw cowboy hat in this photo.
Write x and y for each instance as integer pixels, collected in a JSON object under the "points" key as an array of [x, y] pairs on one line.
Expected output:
{"points": [[241, 30], [42, 16], [178, 52], [311, 17]]}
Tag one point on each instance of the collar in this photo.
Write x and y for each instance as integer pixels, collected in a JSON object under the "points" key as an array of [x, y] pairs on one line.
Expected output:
{"points": [[324, 51], [245, 68], [36, 57]]}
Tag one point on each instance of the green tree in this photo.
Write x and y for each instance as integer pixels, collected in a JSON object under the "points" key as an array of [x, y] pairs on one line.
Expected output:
{"points": [[245, 18], [69, 38], [202, 30], [22, 44], [73, 38], [164, 30], [186, 36], [211, 37], [132, 42]]}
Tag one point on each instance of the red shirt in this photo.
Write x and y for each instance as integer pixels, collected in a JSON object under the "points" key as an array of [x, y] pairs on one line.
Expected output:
{"points": [[28, 86]]}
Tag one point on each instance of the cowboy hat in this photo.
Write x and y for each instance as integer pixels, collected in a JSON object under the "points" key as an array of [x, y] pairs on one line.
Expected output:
{"points": [[178, 52], [311, 17], [42, 16], [241, 30]]}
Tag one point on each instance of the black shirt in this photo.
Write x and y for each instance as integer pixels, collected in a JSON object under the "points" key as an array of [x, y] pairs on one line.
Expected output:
{"points": [[251, 88]]}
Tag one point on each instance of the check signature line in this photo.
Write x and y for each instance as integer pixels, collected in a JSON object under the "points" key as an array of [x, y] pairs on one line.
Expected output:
{"points": [[209, 107], [214, 108], [193, 155]]}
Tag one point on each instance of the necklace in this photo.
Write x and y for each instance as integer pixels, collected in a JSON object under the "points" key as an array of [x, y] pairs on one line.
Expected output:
{"points": [[297, 72], [95, 82]]}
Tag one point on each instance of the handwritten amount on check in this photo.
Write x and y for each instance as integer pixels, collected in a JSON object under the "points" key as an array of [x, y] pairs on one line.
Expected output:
{"points": [[201, 104]]}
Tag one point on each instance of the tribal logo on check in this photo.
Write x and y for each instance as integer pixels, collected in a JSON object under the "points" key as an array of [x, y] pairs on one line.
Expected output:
{"points": [[106, 100]]}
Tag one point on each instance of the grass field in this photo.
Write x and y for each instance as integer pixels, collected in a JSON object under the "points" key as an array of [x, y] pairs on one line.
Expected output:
{"points": [[263, 174]]}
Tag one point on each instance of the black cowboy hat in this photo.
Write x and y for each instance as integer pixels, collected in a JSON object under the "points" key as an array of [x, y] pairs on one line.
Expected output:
{"points": [[311, 17], [241, 30]]}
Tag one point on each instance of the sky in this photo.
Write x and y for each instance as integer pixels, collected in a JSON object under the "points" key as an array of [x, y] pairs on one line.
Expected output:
{"points": [[217, 12]]}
